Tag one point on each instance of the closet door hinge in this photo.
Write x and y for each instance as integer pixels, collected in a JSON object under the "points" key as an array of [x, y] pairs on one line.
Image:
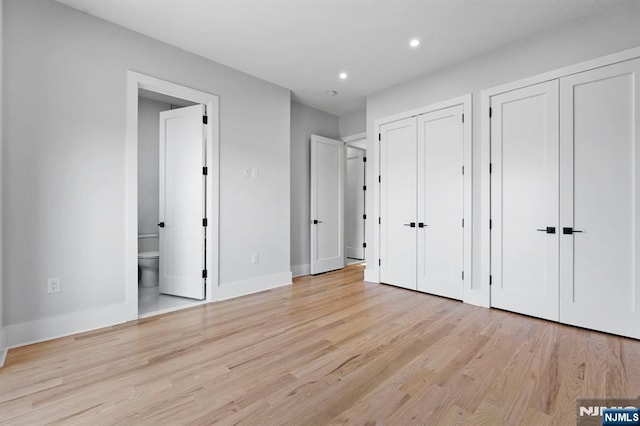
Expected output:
{"points": [[379, 262], [490, 112], [205, 119], [379, 178], [364, 188], [364, 245], [463, 222], [205, 222], [463, 117], [364, 216], [490, 280], [490, 168], [379, 137], [379, 221], [462, 275], [463, 170], [490, 224], [205, 171], [204, 273], [364, 159]]}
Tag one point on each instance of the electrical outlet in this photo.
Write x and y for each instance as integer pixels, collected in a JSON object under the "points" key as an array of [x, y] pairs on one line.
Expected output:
{"points": [[254, 172], [246, 172], [254, 258], [53, 285]]}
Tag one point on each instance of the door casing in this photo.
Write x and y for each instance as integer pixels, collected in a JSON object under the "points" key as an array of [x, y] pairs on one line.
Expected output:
{"points": [[135, 82]]}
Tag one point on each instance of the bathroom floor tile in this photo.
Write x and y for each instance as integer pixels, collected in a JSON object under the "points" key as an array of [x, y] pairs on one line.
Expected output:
{"points": [[150, 300]]}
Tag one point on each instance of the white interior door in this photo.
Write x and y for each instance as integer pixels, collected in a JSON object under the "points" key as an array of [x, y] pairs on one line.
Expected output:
{"points": [[600, 287], [440, 202], [327, 204], [182, 202], [354, 232], [398, 207], [524, 200]]}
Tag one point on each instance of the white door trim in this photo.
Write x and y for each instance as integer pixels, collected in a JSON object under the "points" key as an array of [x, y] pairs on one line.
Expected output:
{"points": [[354, 138], [136, 81], [470, 292]]}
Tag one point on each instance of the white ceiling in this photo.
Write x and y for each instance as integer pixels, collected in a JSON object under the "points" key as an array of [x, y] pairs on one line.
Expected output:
{"points": [[304, 44]]}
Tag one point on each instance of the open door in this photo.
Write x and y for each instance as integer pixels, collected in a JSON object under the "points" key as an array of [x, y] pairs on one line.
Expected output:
{"points": [[327, 204], [182, 227]]}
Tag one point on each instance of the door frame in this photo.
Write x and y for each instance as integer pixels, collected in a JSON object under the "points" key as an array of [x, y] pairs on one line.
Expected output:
{"points": [[136, 81], [373, 271], [482, 295]]}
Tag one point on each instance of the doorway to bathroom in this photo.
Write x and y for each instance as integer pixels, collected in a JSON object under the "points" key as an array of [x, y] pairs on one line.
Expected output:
{"points": [[174, 131]]}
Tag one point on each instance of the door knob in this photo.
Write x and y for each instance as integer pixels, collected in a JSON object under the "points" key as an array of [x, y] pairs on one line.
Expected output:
{"points": [[161, 224], [422, 225], [411, 225], [569, 231], [315, 221], [548, 230]]}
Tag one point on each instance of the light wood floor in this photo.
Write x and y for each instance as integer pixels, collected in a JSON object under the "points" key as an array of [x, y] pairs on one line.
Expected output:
{"points": [[329, 349]]}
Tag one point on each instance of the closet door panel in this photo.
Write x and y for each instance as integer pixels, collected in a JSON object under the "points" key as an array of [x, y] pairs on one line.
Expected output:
{"points": [[440, 202], [398, 168], [600, 184], [524, 200]]}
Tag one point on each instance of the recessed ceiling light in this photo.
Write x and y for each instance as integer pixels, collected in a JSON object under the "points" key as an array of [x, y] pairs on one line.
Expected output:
{"points": [[414, 43], [331, 93], [343, 76]]}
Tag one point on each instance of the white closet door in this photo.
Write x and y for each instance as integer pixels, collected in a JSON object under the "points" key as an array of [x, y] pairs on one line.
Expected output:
{"points": [[524, 200], [327, 204], [600, 154], [398, 169], [440, 202], [182, 202]]}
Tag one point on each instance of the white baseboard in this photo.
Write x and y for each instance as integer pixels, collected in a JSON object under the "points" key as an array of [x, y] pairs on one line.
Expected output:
{"points": [[3, 346], [253, 285], [371, 276], [26, 333], [355, 252], [299, 270]]}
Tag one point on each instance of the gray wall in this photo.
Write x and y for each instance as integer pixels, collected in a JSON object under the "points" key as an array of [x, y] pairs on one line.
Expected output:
{"points": [[149, 164], [64, 177], [304, 122], [350, 124], [608, 32]]}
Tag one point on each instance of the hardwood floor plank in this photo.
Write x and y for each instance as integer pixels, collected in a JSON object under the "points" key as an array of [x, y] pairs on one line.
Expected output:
{"points": [[331, 349]]}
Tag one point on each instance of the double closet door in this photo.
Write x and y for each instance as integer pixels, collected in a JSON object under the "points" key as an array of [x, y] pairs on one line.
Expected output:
{"points": [[421, 208], [565, 237]]}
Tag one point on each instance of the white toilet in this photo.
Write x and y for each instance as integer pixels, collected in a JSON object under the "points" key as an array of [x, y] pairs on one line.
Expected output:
{"points": [[148, 260]]}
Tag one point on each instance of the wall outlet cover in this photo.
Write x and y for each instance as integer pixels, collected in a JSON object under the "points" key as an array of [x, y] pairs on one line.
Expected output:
{"points": [[53, 285]]}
